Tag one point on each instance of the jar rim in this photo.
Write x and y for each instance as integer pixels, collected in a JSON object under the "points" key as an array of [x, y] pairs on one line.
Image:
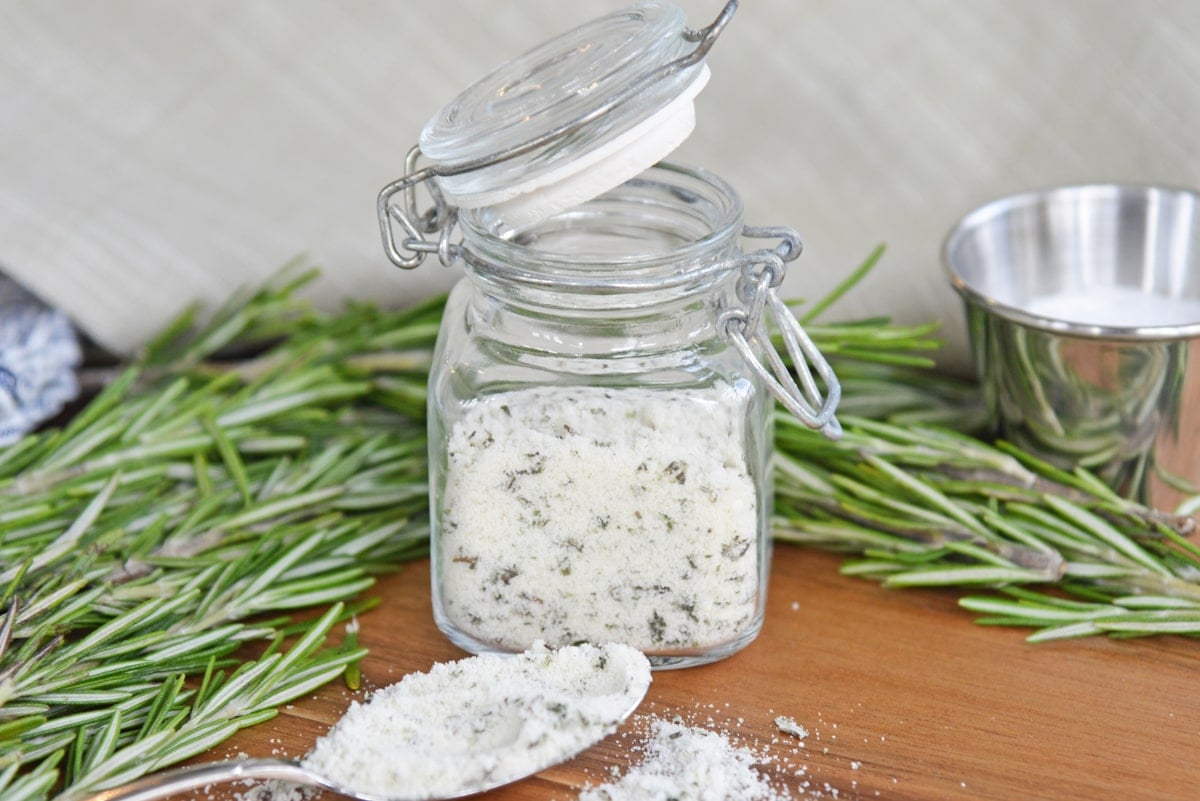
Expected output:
{"points": [[492, 248]]}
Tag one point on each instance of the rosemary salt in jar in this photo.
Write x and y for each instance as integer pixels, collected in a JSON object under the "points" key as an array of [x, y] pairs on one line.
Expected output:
{"points": [[599, 451], [601, 398]]}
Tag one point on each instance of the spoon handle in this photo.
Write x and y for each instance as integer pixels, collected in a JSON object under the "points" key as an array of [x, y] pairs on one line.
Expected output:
{"points": [[194, 777]]}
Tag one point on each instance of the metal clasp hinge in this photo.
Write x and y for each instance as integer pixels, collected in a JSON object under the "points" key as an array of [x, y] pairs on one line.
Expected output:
{"points": [[410, 250], [746, 329]]}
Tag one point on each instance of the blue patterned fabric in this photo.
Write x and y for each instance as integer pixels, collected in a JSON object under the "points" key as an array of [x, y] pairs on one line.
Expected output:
{"points": [[39, 352]]}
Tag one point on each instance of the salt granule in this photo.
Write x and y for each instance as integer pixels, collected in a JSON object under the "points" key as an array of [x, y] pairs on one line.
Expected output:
{"points": [[689, 763], [481, 721], [789, 725]]}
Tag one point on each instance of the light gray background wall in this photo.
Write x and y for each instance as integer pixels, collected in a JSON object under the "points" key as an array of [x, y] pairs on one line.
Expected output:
{"points": [[155, 153]]}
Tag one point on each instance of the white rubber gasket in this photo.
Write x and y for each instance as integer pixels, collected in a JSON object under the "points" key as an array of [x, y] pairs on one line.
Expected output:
{"points": [[594, 173]]}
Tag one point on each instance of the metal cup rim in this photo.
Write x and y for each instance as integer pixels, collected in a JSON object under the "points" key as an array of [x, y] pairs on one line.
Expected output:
{"points": [[1007, 203]]}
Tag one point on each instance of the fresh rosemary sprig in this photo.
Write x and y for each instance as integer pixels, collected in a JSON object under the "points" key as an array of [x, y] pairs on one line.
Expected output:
{"points": [[179, 513], [925, 506]]}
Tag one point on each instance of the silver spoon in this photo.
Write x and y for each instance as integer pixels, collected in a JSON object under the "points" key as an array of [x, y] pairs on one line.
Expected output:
{"points": [[630, 685], [195, 777]]}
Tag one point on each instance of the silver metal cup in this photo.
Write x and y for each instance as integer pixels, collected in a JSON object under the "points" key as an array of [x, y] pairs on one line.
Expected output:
{"points": [[1083, 308]]}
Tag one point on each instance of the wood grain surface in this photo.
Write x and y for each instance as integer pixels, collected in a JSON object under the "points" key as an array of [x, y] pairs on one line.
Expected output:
{"points": [[904, 698]]}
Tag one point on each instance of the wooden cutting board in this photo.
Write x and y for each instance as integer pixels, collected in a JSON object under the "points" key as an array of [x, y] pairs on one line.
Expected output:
{"points": [[904, 697]]}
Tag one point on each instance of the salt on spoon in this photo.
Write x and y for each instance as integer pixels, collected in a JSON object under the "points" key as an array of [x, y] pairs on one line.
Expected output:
{"points": [[462, 728]]}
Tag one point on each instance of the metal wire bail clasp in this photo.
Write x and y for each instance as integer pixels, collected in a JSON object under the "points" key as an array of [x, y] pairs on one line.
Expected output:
{"points": [[410, 250], [745, 328]]}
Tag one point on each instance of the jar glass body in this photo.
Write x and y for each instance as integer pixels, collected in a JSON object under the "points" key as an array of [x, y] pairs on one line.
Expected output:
{"points": [[599, 455]]}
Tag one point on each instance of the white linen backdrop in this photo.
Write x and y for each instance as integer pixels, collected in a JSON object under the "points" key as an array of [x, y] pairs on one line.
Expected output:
{"points": [[153, 154]]}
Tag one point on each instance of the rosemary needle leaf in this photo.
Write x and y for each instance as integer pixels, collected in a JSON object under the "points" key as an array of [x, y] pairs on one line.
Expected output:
{"points": [[1084, 628], [1157, 602], [845, 285], [1032, 614], [12, 729], [353, 672], [229, 455], [312, 639], [966, 575], [7, 775], [103, 746]]}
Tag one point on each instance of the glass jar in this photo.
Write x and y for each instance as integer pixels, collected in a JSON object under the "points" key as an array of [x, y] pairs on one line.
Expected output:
{"points": [[599, 450], [600, 414]]}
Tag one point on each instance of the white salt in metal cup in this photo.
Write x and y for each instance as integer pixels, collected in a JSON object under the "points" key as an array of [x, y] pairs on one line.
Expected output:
{"points": [[1083, 307]]}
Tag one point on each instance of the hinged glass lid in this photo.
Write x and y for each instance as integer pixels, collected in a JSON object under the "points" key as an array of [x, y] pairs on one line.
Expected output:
{"points": [[570, 78], [559, 125]]}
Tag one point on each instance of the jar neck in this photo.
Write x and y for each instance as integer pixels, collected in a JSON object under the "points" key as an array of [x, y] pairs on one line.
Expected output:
{"points": [[646, 267], [663, 325]]}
